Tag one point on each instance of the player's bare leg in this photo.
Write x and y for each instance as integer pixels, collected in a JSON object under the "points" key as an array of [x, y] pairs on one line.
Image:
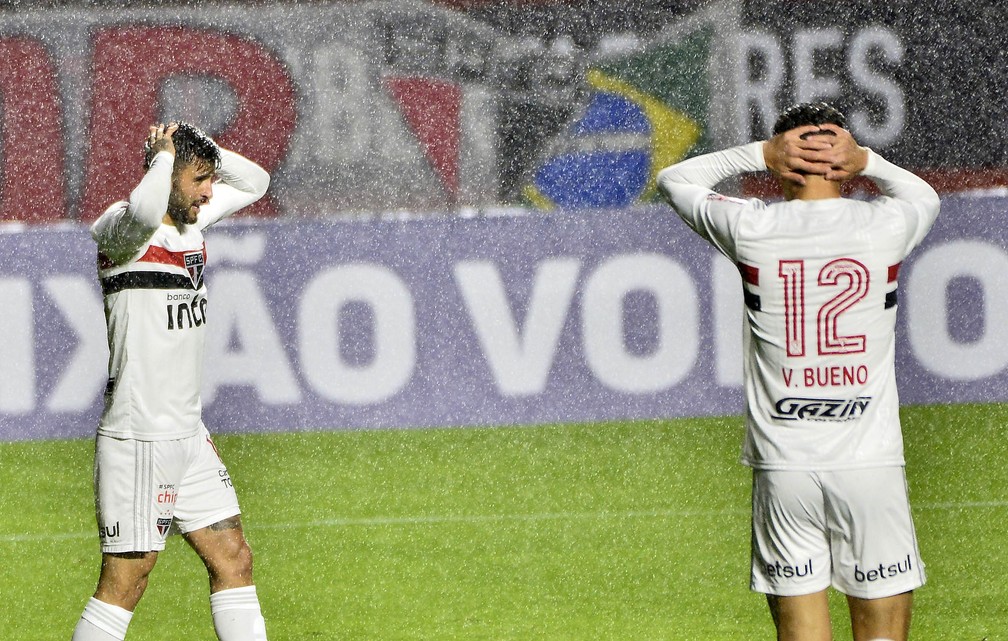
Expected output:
{"points": [[225, 553], [121, 583], [801, 618], [123, 578], [228, 560], [886, 618]]}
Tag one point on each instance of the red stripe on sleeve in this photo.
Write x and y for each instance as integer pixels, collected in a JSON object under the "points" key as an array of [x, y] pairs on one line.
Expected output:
{"points": [[750, 274], [894, 272]]}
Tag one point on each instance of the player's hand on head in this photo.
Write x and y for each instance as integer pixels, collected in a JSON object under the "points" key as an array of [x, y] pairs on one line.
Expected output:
{"points": [[845, 156], [792, 154], [159, 137]]}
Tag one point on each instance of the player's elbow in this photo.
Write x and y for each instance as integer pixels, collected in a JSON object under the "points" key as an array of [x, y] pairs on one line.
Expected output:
{"points": [[669, 175], [259, 183], [930, 202], [670, 182], [928, 196], [262, 181], [933, 201], [666, 182]]}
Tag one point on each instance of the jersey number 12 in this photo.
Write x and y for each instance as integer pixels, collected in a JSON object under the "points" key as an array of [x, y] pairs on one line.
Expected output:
{"points": [[846, 273]]}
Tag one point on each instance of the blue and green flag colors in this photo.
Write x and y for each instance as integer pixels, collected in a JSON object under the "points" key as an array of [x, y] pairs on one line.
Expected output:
{"points": [[646, 110]]}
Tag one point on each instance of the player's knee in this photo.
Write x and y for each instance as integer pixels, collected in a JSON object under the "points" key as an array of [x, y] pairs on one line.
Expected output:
{"points": [[123, 578], [122, 590], [236, 565], [140, 585], [129, 586], [243, 559]]}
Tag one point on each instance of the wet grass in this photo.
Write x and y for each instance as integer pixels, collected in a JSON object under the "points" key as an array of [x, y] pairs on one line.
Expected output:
{"points": [[632, 530]]}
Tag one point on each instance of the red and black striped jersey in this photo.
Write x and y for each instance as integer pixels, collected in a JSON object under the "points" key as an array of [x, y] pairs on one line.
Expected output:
{"points": [[156, 312]]}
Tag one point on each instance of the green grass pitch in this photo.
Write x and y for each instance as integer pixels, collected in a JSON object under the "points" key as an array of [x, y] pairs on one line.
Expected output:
{"points": [[609, 531]]}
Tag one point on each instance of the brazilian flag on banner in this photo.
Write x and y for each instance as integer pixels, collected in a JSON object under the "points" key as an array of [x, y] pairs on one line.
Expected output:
{"points": [[646, 111]]}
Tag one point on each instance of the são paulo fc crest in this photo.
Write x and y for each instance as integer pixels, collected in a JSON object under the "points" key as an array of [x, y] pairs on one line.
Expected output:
{"points": [[163, 524], [194, 263]]}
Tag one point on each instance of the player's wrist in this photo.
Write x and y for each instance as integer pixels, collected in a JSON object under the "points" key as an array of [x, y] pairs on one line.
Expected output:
{"points": [[862, 159], [769, 156], [870, 162]]}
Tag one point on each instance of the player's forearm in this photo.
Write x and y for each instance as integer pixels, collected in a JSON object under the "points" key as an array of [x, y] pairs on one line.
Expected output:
{"points": [[242, 182], [148, 202], [243, 174], [708, 170], [686, 184], [125, 227], [899, 183]]}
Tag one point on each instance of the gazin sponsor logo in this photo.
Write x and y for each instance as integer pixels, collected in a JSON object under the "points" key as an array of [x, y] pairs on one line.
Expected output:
{"points": [[821, 409]]}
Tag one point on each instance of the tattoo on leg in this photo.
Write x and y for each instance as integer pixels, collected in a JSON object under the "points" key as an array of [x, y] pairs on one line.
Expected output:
{"points": [[230, 523]]}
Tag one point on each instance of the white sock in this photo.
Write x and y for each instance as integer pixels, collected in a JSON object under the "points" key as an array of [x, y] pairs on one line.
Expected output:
{"points": [[236, 615], [102, 622]]}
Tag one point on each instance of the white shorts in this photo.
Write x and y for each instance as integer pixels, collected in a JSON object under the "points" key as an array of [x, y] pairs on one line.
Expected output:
{"points": [[851, 529], [143, 489]]}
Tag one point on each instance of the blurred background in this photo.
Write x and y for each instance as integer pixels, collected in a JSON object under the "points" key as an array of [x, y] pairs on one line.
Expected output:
{"points": [[462, 226], [436, 108]]}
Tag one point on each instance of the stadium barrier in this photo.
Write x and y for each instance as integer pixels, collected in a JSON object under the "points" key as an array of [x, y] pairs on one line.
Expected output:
{"points": [[491, 320]]}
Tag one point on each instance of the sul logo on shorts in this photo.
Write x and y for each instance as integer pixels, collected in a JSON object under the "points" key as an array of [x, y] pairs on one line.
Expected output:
{"points": [[108, 531], [778, 571]]}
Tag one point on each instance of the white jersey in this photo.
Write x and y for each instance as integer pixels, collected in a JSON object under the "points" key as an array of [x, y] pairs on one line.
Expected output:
{"points": [[819, 281], [155, 300]]}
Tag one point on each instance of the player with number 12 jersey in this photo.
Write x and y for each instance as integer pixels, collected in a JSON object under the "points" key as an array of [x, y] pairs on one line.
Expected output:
{"points": [[820, 280]]}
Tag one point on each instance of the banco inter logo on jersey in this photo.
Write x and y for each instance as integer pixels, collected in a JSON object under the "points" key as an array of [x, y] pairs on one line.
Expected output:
{"points": [[194, 263]]}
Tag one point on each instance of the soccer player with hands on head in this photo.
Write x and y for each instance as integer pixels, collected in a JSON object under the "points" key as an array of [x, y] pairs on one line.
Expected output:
{"points": [[156, 468], [823, 437]]}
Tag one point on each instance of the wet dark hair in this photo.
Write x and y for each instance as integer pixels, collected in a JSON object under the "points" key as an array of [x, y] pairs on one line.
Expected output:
{"points": [[192, 144], [809, 113]]}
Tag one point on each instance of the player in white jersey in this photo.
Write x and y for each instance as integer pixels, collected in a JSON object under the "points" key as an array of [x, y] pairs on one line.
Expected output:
{"points": [[819, 278], [156, 469]]}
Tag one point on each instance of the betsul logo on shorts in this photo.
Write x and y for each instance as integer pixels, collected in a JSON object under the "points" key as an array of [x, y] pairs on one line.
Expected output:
{"points": [[778, 571], [883, 571]]}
